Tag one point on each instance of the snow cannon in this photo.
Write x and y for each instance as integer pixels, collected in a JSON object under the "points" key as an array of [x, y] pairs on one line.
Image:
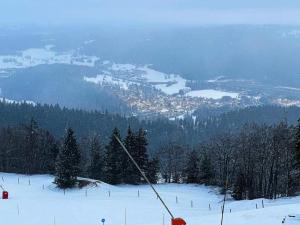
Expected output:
{"points": [[178, 221], [4, 195]]}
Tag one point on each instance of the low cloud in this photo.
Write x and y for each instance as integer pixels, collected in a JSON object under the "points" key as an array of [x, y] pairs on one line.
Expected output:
{"points": [[179, 12]]}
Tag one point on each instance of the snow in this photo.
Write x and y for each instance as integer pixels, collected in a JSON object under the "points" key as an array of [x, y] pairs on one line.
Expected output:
{"points": [[9, 101], [184, 115], [131, 74], [164, 110], [224, 79], [34, 205], [286, 102], [105, 62], [212, 94], [39, 56], [289, 88], [291, 33], [4, 74], [123, 67], [89, 42], [167, 83], [49, 47], [108, 80], [216, 79], [124, 75]]}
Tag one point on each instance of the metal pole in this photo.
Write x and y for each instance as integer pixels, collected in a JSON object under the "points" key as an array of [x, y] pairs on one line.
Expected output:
{"points": [[143, 174], [224, 200], [125, 216]]}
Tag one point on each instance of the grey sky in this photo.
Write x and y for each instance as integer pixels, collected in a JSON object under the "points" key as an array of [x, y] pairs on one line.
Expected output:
{"points": [[184, 12]]}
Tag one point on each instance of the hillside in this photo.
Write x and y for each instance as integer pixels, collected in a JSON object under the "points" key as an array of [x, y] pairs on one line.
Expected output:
{"points": [[151, 71], [41, 203], [161, 131]]}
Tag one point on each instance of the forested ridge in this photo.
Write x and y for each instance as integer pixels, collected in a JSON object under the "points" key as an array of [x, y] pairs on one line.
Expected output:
{"points": [[248, 159], [28, 149], [189, 132], [258, 162]]}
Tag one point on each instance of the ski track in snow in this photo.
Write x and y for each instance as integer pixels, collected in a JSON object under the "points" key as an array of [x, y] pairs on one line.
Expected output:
{"points": [[38, 206]]}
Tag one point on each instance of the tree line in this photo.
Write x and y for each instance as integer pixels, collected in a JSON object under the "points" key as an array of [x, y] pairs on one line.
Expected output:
{"points": [[257, 161], [187, 131], [260, 161], [29, 149]]}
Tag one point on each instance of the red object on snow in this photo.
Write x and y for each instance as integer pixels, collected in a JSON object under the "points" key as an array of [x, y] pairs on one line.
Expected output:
{"points": [[178, 221], [4, 195]]}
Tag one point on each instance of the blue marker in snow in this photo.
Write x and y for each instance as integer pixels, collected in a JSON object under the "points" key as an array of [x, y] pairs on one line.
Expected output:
{"points": [[103, 221]]}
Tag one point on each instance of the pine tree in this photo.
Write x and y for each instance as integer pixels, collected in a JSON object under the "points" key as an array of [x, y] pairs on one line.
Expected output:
{"points": [[130, 175], [152, 170], [192, 168], [113, 159], [48, 151], [96, 166], [141, 152], [68, 161], [239, 187], [31, 146], [206, 173]]}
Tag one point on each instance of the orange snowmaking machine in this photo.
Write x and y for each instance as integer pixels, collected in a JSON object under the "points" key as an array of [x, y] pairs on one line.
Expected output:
{"points": [[174, 221]]}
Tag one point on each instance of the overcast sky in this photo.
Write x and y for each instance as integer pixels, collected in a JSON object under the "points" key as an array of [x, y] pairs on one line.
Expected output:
{"points": [[181, 12]]}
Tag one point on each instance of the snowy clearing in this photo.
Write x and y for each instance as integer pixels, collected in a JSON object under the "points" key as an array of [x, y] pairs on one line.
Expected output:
{"points": [[213, 94], [36, 201], [128, 74], [89, 42], [123, 75], [104, 80], [9, 101], [289, 88], [167, 83], [41, 56], [216, 79]]}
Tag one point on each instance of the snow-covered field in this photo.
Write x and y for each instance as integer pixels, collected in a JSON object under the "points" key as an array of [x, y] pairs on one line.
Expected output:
{"points": [[9, 101], [122, 75], [210, 93], [128, 74], [41, 56], [104, 80], [36, 201]]}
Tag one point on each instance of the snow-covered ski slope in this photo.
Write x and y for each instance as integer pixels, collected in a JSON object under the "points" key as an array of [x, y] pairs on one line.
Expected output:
{"points": [[36, 201]]}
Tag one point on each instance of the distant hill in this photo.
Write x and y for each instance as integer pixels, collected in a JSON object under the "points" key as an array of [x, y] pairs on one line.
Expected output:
{"points": [[159, 131], [257, 62]]}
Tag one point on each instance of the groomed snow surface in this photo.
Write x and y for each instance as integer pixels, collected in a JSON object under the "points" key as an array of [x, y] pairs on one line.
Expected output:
{"points": [[36, 201]]}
